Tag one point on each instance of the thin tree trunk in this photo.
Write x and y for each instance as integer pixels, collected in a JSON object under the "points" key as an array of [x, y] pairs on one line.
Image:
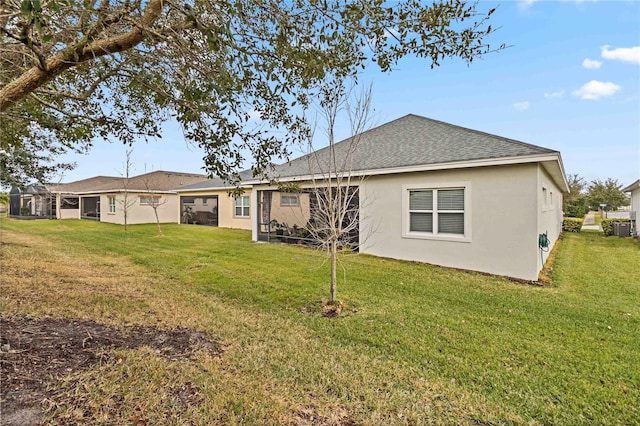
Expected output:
{"points": [[155, 211], [334, 264]]}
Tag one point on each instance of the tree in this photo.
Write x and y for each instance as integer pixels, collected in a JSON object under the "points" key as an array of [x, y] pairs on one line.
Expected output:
{"points": [[606, 192], [574, 204], [4, 200], [335, 211], [126, 202], [153, 198], [73, 70]]}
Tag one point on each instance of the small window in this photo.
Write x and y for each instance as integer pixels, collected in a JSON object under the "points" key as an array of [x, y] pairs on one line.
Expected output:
{"points": [[289, 200], [205, 201], [149, 200], [437, 211], [188, 200], [242, 206], [112, 204]]}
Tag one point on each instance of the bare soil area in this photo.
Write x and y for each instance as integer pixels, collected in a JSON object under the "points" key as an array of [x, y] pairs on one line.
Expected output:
{"points": [[36, 353]]}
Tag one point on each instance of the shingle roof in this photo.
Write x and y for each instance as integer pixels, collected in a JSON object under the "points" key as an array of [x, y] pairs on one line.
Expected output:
{"points": [[412, 140], [159, 180], [216, 182]]}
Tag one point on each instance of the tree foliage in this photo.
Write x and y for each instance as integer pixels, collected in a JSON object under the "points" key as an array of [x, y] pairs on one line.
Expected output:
{"points": [[236, 74], [607, 192], [575, 202]]}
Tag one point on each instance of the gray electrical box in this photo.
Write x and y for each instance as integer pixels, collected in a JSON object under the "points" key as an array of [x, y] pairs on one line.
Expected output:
{"points": [[622, 229]]}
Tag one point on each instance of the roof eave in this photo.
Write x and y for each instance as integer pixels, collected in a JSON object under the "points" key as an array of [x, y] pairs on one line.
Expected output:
{"points": [[635, 185], [552, 160]]}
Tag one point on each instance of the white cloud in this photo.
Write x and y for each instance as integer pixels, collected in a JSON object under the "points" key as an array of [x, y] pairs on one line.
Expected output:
{"points": [[521, 106], [624, 54], [591, 64], [526, 4], [594, 90], [554, 95]]}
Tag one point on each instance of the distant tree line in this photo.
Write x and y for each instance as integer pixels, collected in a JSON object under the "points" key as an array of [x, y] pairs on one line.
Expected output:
{"points": [[585, 196]]}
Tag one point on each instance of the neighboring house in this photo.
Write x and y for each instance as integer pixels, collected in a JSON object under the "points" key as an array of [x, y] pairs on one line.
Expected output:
{"points": [[104, 198], [32, 202], [210, 203], [437, 193], [634, 190]]}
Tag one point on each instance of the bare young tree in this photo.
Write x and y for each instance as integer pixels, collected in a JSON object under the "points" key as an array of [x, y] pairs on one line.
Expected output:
{"points": [[153, 199], [335, 217], [126, 202]]}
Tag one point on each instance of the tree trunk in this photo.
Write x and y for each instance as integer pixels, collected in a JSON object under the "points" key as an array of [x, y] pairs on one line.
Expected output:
{"points": [[155, 211], [334, 259]]}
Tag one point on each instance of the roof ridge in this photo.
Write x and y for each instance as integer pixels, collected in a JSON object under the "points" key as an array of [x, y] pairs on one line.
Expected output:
{"points": [[480, 132]]}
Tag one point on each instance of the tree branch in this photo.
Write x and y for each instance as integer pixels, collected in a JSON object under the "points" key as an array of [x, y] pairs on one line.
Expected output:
{"points": [[37, 76]]}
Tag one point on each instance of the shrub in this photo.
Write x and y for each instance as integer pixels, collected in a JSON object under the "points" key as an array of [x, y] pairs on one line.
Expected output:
{"points": [[608, 225], [571, 224], [577, 208]]}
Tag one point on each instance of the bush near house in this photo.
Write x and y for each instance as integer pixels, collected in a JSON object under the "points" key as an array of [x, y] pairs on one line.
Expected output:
{"points": [[572, 224], [608, 225]]}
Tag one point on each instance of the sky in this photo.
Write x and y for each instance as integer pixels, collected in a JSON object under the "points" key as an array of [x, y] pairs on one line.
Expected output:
{"points": [[569, 80]]}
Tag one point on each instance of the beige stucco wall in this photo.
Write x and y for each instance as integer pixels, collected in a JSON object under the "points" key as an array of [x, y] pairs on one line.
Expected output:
{"points": [[69, 213], [291, 215], [501, 206], [550, 208], [635, 202], [168, 209], [226, 208]]}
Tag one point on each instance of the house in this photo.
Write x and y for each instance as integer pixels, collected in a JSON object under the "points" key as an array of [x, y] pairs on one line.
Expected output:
{"points": [[32, 202], [105, 198], [210, 203], [634, 190], [431, 192]]}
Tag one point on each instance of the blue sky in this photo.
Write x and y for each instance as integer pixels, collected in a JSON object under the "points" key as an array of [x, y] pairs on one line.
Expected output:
{"points": [[569, 81]]}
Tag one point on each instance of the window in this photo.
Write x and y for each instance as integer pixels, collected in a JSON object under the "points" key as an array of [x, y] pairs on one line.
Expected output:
{"points": [[188, 200], [112, 204], [288, 200], [437, 211], [150, 200], [242, 206], [205, 201]]}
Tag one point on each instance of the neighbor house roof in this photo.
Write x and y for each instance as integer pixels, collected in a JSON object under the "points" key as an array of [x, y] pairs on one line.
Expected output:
{"points": [[159, 180], [635, 185], [215, 183], [413, 142]]}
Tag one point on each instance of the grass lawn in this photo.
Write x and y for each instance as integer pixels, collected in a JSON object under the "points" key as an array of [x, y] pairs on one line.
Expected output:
{"points": [[419, 344]]}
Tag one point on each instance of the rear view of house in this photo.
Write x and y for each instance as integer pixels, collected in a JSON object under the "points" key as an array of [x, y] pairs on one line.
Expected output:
{"points": [[433, 192]]}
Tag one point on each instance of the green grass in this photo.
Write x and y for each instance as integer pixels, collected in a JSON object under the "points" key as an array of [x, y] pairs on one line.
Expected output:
{"points": [[598, 218], [418, 344]]}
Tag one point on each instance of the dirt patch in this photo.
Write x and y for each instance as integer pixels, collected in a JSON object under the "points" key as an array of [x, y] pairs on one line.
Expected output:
{"points": [[35, 352]]}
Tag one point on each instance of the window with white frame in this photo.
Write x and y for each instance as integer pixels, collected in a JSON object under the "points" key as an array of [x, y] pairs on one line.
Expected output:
{"points": [[150, 200], [242, 206], [437, 211], [112, 204], [289, 200]]}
